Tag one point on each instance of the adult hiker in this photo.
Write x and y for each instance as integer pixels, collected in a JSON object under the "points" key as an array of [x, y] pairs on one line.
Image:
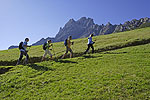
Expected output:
{"points": [[46, 48], [90, 44], [23, 51], [68, 44]]}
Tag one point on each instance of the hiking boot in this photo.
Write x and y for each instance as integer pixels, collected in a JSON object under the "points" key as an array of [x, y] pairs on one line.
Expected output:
{"points": [[18, 63], [25, 62]]}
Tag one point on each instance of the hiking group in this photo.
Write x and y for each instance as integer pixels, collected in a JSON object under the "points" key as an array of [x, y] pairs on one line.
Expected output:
{"points": [[46, 47]]}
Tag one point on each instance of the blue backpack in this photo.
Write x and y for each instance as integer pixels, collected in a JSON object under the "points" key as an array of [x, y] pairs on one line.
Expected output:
{"points": [[44, 46], [65, 42]]}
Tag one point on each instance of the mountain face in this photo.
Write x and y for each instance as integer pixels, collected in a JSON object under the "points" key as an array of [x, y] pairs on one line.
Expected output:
{"points": [[42, 41], [74, 28], [130, 25], [85, 26]]}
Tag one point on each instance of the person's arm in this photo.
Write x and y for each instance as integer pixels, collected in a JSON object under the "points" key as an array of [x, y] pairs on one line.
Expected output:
{"points": [[72, 43], [51, 44], [25, 46], [92, 41]]}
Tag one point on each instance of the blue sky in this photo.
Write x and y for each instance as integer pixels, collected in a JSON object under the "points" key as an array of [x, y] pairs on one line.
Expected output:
{"points": [[38, 19]]}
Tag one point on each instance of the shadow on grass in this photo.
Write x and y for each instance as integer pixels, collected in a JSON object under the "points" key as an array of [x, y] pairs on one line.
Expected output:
{"points": [[40, 68], [65, 61], [4, 70], [114, 52], [89, 56]]}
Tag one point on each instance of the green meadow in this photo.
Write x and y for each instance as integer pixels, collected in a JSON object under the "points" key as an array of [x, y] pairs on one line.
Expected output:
{"points": [[120, 69]]}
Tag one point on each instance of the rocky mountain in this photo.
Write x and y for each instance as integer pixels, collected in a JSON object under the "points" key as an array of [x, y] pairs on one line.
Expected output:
{"points": [[12, 47], [42, 41], [130, 25], [74, 28], [85, 26]]}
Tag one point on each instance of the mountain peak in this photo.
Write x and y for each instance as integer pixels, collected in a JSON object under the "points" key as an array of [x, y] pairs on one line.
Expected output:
{"points": [[86, 22], [82, 19], [85, 19], [72, 20], [108, 24]]}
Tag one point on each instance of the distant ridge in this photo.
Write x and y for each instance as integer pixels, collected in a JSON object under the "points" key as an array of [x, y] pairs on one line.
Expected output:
{"points": [[12, 47], [43, 41], [85, 26]]}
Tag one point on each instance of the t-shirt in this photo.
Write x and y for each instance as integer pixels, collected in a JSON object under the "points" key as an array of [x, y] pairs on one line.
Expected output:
{"points": [[68, 43], [23, 45], [47, 46]]}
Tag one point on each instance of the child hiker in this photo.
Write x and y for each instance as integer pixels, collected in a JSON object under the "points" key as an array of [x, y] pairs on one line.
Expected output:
{"points": [[23, 51], [46, 48]]}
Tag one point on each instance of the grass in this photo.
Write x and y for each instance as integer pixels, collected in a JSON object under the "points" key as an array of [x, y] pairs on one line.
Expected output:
{"points": [[104, 41], [117, 74]]}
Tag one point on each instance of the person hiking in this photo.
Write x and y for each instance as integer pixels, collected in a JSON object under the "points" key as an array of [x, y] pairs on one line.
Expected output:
{"points": [[23, 51], [68, 44], [90, 44], [46, 48]]}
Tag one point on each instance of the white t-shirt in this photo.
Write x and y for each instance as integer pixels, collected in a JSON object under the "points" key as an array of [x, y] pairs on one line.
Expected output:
{"points": [[23, 45]]}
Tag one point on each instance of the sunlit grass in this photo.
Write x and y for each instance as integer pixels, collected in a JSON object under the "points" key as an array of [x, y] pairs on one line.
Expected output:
{"points": [[118, 74]]}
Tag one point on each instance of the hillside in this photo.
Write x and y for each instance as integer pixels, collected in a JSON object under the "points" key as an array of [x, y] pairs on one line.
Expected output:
{"points": [[85, 26], [119, 70], [102, 42]]}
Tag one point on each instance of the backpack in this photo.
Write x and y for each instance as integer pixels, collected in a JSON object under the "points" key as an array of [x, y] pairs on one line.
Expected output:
{"points": [[65, 42], [44, 46], [20, 45]]}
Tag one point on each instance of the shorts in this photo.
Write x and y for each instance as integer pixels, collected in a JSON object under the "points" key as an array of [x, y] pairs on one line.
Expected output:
{"points": [[68, 49]]}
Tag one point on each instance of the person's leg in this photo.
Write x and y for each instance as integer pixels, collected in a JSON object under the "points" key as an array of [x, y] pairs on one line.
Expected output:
{"points": [[71, 53], [63, 56], [20, 58], [27, 57], [87, 49], [44, 55], [92, 48], [49, 53], [65, 53]]}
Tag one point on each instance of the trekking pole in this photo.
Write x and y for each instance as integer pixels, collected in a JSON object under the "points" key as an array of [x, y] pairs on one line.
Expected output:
{"points": [[60, 51]]}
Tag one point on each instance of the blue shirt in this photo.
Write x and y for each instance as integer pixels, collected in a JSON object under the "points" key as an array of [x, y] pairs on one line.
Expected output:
{"points": [[23, 45], [90, 40]]}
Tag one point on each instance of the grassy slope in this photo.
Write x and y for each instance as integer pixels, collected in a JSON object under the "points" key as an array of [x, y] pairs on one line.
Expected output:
{"points": [[116, 39], [117, 74]]}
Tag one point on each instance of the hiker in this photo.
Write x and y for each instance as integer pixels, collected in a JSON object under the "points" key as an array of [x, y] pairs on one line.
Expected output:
{"points": [[46, 48], [90, 44], [68, 44], [23, 51]]}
